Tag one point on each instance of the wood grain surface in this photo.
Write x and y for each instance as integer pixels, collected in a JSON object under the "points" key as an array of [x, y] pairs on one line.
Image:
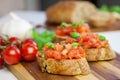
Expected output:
{"points": [[102, 70]]}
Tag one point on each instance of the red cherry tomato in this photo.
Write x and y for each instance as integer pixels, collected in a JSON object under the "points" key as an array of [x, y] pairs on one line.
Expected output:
{"points": [[1, 62], [11, 55], [2, 41], [13, 39], [29, 40], [29, 52]]}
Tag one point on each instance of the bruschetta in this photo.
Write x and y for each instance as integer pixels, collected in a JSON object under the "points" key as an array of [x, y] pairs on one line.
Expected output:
{"points": [[63, 59], [71, 31], [96, 46]]}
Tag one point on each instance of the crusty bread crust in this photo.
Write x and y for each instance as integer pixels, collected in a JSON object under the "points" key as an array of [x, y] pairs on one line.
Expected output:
{"points": [[64, 67], [70, 11], [100, 54], [61, 38], [102, 19]]}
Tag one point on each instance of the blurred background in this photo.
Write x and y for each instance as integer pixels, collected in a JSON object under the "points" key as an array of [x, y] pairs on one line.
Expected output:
{"points": [[13, 5]]}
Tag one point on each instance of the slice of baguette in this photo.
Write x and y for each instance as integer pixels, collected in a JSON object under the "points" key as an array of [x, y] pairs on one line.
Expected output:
{"points": [[100, 54], [94, 54], [63, 38], [60, 38], [102, 19], [64, 67]]}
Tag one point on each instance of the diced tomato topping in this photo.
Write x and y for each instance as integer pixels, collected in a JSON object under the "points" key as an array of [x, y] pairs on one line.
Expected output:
{"points": [[64, 52], [83, 28], [91, 40], [49, 53], [57, 55], [67, 30], [59, 47]]}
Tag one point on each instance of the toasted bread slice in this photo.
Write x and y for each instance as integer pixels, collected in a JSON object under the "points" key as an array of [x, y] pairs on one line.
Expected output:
{"points": [[64, 67], [100, 54], [102, 19], [63, 38], [95, 54], [60, 38]]}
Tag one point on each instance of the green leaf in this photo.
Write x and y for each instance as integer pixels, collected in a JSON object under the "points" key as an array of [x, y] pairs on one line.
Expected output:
{"points": [[115, 9], [48, 35], [35, 33], [75, 44], [51, 45], [74, 34], [104, 8], [63, 24], [74, 25], [102, 38], [81, 23], [40, 42]]}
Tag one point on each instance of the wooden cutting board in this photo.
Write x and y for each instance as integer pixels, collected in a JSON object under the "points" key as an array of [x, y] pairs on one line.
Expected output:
{"points": [[102, 70]]}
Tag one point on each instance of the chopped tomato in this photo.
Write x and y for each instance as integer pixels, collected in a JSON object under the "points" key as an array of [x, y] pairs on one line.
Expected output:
{"points": [[57, 55], [68, 47], [63, 31], [59, 47], [49, 53], [83, 28], [67, 30], [74, 54], [91, 40], [64, 52]]}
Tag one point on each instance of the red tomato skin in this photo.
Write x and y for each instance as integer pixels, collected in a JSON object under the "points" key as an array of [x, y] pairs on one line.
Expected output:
{"points": [[12, 55], [1, 62], [2, 41], [13, 39], [57, 55], [29, 40], [29, 52]]}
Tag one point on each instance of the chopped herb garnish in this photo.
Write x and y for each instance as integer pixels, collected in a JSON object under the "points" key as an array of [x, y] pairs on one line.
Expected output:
{"points": [[80, 23], [51, 45], [63, 24], [74, 34], [75, 44], [74, 25], [102, 38]]}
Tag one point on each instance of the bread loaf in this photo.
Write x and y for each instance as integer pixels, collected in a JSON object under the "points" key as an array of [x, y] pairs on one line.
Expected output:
{"points": [[70, 11]]}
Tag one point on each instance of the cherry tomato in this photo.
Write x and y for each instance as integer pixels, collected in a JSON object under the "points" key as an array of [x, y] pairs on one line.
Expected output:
{"points": [[1, 62], [29, 40], [29, 52], [2, 41], [13, 39], [12, 54]]}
